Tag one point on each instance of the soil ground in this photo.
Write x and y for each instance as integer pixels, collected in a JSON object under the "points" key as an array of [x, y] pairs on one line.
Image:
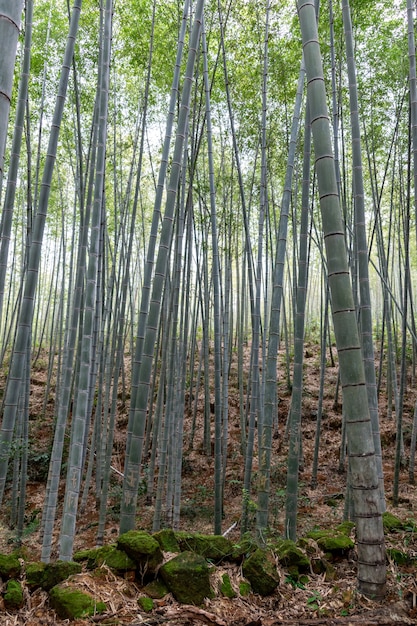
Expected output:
{"points": [[318, 602]]}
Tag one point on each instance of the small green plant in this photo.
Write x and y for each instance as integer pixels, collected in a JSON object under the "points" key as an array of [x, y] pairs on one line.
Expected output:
{"points": [[202, 492], [313, 602], [294, 582], [33, 523], [249, 503], [235, 486]]}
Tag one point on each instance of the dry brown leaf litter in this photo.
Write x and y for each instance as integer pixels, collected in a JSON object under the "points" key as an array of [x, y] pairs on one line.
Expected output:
{"points": [[321, 602]]}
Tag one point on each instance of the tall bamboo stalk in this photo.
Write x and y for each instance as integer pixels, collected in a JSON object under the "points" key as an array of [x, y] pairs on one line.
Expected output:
{"points": [[26, 312], [138, 421], [364, 476]]}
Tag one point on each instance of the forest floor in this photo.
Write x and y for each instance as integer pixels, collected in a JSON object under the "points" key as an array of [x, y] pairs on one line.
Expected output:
{"points": [[318, 602]]}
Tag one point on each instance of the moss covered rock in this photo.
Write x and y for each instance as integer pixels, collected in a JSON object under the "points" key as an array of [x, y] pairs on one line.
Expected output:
{"points": [[34, 574], [9, 566], [336, 544], [187, 577], [317, 533], [213, 547], [83, 555], [261, 572], [322, 566], [119, 561], [70, 603], [109, 555], [145, 603], [13, 596], [156, 589], [345, 528], [142, 548], [167, 540], [47, 575], [391, 522], [292, 556]]}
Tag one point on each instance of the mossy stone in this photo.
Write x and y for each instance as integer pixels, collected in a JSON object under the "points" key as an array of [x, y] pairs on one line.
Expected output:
{"points": [[156, 589], [261, 572], [345, 528], [391, 522], [167, 540], [187, 577], [70, 603], [47, 575], [9, 566], [292, 556], [308, 546], [59, 571], [318, 565], [34, 574], [83, 555], [336, 544], [13, 597], [109, 555], [119, 561], [329, 571], [142, 548], [93, 557], [213, 547], [145, 603], [317, 533], [226, 588]]}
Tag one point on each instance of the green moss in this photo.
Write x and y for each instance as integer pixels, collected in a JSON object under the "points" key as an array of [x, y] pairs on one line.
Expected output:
{"points": [[34, 574], [292, 556], [345, 528], [50, 574], [317, 533], [72, 603], [187, 577], [145, 603], [226, 588], [213, 547], [336, 544], [261, 572], [156, 589], [9, 566], [391, 522], [167, 540], [142, 548], [119, 561], [109, 555], [244, 588], [13, 597], [83, 555]]}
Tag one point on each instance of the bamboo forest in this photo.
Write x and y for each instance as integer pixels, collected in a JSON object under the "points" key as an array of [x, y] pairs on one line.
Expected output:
{"points": [[208, 347]]}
